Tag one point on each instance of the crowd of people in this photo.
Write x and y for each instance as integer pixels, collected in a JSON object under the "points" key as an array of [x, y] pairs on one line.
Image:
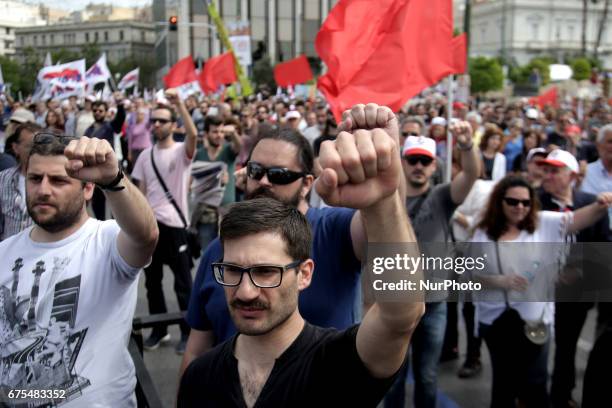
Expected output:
{"points": [[276, 188]]}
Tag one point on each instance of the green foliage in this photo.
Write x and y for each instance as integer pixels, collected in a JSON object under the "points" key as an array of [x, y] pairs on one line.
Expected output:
{"points": [[63, 56], [582, 68], [147, 69], [263, 74], [486, 74], [520, 75], [91, 52]]}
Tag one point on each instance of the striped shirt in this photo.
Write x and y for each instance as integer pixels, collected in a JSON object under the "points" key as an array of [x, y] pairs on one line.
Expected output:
{"points": [[14, 216]]}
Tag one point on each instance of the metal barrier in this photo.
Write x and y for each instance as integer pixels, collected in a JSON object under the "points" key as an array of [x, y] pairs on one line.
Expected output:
{"points": [[146, 394]]}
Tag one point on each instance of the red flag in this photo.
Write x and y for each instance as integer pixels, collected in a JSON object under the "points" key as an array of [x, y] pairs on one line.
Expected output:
{"points": [[181, 73], [292, 72], [459, 46], [219, 70], [547, 98], [404, 47]]}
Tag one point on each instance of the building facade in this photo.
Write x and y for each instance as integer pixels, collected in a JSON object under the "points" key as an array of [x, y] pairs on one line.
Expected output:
{"points": [[15, 14], [282, 29], [119, 39], [523, 29]]}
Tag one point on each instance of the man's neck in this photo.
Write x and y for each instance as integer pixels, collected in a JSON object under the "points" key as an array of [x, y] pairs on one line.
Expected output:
{"points": [[565, 196], [264, 349], [412, 191], [40, 235], [213, 151], [303, 207], [165, 143]]}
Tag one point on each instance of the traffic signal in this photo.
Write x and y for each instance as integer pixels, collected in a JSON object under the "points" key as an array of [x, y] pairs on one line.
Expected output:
{"points": [[172, 23]]}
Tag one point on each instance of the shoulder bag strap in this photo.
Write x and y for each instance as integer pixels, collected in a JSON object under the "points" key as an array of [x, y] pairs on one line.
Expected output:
{"points": [[167, 192]]}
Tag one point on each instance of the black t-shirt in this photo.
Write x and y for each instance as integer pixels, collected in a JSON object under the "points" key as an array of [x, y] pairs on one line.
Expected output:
{"points": [[320, 368]]}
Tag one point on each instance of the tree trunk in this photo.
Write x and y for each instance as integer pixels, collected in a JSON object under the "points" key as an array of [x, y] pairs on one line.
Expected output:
{"points": [[585, 9], [602, 26]]}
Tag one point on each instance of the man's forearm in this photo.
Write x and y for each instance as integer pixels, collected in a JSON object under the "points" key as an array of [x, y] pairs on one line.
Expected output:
{"points": [[133, 213], [470, 163], [191, 132], [387, 222]]}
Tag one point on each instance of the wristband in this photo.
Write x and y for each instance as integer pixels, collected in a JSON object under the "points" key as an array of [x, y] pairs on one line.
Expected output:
{"points": [[465, 148], [113, 185]]}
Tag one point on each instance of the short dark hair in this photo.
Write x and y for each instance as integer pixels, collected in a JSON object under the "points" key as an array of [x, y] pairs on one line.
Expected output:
{"points": [[14, 138], [233, 121], [269, 215], [212, 121], [304, 150], [494, 221], [170, 110], [95, 104]]}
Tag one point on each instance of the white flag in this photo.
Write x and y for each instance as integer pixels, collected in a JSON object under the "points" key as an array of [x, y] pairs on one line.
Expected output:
{"points": [[61, 81], [97, 73], [130, 79], [48, 61], [1, 80]]}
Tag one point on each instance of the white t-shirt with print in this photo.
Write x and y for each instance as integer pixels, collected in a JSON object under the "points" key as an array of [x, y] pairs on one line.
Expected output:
{"points": [[66, 316], [536, 256], [175, 169]]}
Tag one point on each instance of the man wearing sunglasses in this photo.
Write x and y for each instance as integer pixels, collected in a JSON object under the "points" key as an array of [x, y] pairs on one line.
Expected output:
{"points": [[104, 130], [430, 209], [280, 166], [278, 358], [69, 283], [173, 162], [558, 194]]}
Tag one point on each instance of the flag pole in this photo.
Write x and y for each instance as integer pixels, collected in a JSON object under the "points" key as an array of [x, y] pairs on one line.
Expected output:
{"points": [[449, 135]]}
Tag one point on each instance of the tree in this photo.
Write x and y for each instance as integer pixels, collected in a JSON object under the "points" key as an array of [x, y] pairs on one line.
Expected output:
{"points": [[520, 75], [91, 53], [63, 56], [146, 65], [263, 73], [582, 69], [486, 74]]}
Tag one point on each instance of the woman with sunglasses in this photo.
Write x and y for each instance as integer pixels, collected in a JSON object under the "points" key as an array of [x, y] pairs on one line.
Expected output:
{"points": [[516, 272]]}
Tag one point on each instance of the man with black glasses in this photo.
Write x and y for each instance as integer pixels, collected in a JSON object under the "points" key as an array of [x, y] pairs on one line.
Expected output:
{"points": [[68, 284], [280, 166], [163, 173], [279, 359]]}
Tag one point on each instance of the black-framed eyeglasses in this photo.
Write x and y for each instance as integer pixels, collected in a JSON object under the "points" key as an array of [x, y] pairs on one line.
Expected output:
{"points": [[48, 137], [514, 202], [413, 159], [406, 134], [276, 175], [262, 276], [160, 120]]}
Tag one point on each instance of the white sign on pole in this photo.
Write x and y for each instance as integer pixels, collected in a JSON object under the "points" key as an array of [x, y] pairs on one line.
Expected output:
{"points": [[239, 34]]}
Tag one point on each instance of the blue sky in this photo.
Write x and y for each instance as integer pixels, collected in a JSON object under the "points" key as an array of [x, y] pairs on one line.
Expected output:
{"points": [[80, 4]]}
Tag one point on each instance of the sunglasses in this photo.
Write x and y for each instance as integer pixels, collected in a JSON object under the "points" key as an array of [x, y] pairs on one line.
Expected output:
{"points": [[276, 175], [406, 134], [160, 120], [414, 159], [514, 202], [47, 138]]}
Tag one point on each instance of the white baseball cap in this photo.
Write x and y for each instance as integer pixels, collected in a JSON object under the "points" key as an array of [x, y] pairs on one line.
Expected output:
{"points": [[532, 113], [536, 150], [438, 120], [293, 115], [561, 158], [420, 145]]}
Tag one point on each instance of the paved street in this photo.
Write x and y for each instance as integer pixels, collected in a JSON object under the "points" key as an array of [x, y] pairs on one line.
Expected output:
{"points": [[163, 363]]}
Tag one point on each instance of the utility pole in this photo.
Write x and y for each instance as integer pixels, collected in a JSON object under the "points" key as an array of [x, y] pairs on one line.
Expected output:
{"points": [[466, 24]]}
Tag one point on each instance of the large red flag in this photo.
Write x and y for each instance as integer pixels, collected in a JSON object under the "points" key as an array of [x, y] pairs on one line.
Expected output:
{"points": [[219, 70], [459, 46], [181, 73], [404, 47], [547, 98], [293, 72]]}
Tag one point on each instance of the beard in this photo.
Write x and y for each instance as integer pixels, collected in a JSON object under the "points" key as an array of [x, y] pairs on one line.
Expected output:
{"points": [[292, 201], [161, 135], [64, 217]]}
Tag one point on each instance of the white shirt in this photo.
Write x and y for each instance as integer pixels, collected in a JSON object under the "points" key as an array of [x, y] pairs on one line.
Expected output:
{"points": [[536, 256], [67, 316]]}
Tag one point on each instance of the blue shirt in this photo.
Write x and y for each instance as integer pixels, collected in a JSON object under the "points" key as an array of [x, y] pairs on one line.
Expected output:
{"points": [[328, 302], [598, 180], [513, 148]]}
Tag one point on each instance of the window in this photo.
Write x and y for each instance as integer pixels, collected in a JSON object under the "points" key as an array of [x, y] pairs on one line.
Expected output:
{"points": [[535, 30], [43, 39], [96, 37], [21, 41], [143, 36], [7, 45], [51, 39], [8, 31], [121, 35], [87, 37], [35, 40], [106, 36]]}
